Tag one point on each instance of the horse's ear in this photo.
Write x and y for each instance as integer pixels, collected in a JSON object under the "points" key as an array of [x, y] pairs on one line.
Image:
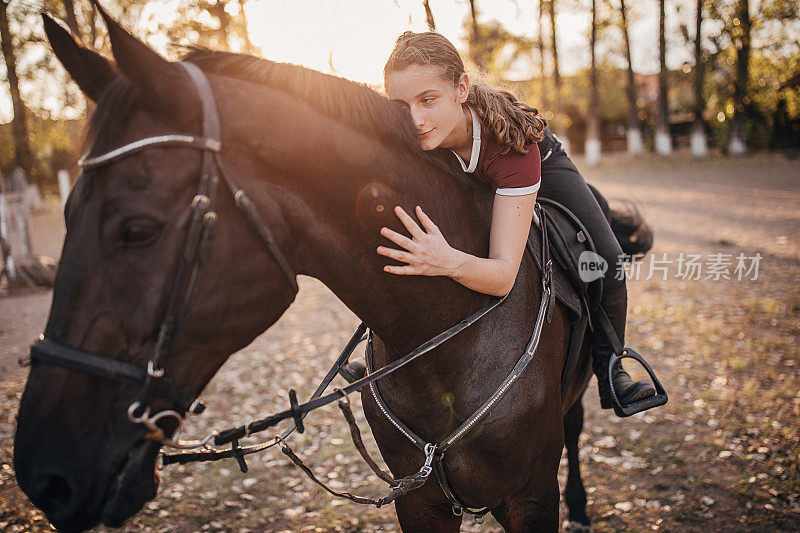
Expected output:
{"points": [[91, 71], [164, 83]]}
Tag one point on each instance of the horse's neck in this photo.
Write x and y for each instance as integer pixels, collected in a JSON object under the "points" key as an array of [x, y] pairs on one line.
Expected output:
{"points": [[340, 250], [337, 188]]}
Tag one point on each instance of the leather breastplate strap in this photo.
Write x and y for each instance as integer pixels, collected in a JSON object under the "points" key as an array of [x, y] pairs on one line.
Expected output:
{"points": [[438, 457]]}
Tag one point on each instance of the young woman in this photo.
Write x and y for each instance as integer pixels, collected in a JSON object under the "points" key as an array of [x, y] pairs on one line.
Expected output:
{"points": [[505, 142]]}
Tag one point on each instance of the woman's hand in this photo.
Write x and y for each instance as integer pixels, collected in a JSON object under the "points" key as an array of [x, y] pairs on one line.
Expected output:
{"points": [[427, 252]]}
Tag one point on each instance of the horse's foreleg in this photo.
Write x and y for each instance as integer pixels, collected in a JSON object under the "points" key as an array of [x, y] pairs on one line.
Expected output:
{"points": [[575, 494], [532, 515], [414, 515]]}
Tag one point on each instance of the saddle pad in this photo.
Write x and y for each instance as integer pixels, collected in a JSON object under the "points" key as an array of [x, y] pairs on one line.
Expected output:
{"points": [[562, 288]]}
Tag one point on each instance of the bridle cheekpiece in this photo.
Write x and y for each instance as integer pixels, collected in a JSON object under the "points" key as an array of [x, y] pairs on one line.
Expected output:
{"points": [[152, 378]]}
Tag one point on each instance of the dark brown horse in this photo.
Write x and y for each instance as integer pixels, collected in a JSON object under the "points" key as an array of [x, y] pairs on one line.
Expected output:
{"points": [[324, 160]]}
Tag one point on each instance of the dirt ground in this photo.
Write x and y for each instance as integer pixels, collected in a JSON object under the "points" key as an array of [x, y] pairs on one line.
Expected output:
{"points": [[723, 453]]}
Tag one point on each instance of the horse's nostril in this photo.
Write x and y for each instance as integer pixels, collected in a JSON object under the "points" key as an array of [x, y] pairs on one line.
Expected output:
{"points": [[54, 494]]}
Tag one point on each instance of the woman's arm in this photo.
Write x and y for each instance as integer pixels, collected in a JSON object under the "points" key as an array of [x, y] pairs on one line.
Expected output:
{"points": [[429, 254], [511, 224]]}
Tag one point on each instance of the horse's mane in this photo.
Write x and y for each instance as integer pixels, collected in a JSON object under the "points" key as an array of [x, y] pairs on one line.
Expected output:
{"points": [[354, 104]]}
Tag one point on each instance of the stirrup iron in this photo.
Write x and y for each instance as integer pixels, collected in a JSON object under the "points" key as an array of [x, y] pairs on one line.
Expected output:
{"points": [[623, 411]]}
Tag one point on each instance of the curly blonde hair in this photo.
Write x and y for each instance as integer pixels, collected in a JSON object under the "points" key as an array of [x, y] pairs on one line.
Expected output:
{"points": [[513, 123]]}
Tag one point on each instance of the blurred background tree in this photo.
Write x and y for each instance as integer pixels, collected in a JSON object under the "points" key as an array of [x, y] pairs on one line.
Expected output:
{"points": [[215, 24], [48, 110], [22, 155], [738, 83], [663, 136], [634, 132]]}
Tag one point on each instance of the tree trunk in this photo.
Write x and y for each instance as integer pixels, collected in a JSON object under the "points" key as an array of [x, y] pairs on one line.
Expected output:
{"points": [[429, 15], [635, 146], [93, 26], [474, 37], [663, 139], [557, 108], [699, 142], [554, 51], [741, 39], [75, 29], [540, 46], [217, 10], [592, 120], [72, 21], [22, 151], [473, 11]]}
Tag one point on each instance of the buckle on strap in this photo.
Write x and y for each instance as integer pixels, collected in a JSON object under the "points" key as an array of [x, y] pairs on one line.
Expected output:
{"points": [[547, 278], [154, 372], [430, 450]]}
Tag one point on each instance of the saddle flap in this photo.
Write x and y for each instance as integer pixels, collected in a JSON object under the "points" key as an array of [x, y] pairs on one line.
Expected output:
{"points": [[562, 287], [568, 240]]}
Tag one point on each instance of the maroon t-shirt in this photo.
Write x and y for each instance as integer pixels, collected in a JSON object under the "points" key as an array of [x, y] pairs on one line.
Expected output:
{"points": [[513, 174]]}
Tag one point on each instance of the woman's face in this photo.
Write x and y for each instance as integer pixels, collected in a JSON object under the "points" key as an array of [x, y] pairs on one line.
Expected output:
{"points": [[433, 102]]}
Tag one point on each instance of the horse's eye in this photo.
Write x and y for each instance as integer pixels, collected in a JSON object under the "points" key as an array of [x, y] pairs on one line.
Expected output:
{"points": [[140, 231]]}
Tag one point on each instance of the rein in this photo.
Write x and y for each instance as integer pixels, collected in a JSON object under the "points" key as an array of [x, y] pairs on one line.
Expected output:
{"points": [[152, 378]]}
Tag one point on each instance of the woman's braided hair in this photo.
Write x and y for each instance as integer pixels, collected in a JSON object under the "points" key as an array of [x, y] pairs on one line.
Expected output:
{"points": [[514, 123]]}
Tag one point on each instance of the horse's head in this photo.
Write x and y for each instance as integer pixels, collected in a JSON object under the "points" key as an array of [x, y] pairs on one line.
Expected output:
{"points": [[77, 455]]}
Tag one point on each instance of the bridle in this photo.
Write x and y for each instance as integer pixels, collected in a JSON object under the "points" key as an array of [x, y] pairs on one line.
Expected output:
{"points": [[155, 384], [152, 379]]}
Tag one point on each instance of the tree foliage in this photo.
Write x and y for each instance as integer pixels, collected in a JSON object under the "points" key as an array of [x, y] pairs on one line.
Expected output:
{"points": [[56, 108], [216, 24], [54, 104]]}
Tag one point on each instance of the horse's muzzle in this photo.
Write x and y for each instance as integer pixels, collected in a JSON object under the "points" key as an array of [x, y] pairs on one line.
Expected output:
{"points": [[135, 484]]}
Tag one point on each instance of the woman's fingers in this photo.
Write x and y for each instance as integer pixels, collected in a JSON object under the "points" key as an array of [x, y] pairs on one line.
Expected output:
{"points": [[395, 254], [419, 247], [398, 238], [427, 223], [405, 269], [409, 223]]}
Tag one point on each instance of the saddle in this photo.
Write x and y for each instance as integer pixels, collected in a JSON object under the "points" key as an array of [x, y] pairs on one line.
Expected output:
{"points": [[567, 239]]}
